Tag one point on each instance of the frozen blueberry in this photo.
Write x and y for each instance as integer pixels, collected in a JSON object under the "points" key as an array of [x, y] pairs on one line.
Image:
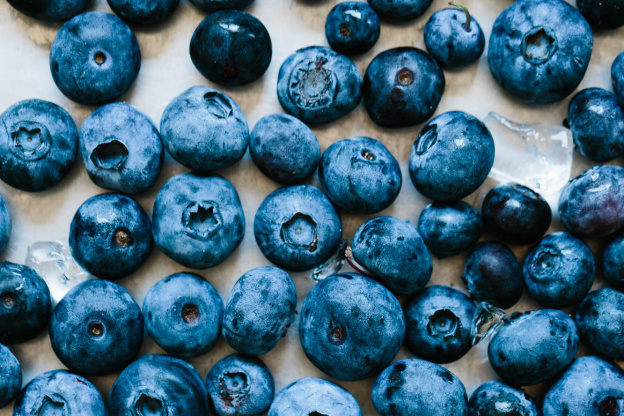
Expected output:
{"points": [[352, 28], [261, 307], [284, 148], [448, 228], [204, 129], [617, 77], [11, 376], [198, 220], [360, 174], [401, 10], [613, 262], [121, 149], [402, 87], [498, 399], [534, 346], [38, 145], [97, 328], [545, 41], [317, 85], [5, 224], [394, 251], [51, 11], [210, 6], [240, 385], [158, 385], [600, 318], [451, 157], [144, 12], [602, 14], [414, 387], [231, 47], [315, 397], [183, 314], [25, 305], [95, 58], [297, 228]]}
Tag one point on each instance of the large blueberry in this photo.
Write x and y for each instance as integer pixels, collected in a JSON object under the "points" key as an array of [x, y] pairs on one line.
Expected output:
{"points": [[600, 318], [50, 10], [11, 380], [97, 328], [183, 314], [204, 129], [95, 58], [402, 87], [297, 228], [603, 14], [38, 145], [5, 224], [617, 77], [210, 6], [613, 262], [317, 85], [401, 10], [261, 307], [352, 28], [314, 396], [451, 157], [360, 174], [534, 346], [25, 306], [144, 12], [198, 220], [498, 399], [539, 50]]}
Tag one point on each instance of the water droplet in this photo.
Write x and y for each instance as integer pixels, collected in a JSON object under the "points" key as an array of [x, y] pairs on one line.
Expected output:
{"points": [[331, 266], [486, 319]]}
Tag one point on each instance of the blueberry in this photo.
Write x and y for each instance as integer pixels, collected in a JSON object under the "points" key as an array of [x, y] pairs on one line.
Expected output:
{"points": [[318, 85], [498, 399], [515, 214], [38, 145], [315, 397], [414, 387], [448, 228], [617, 77], [534, 346], [5, 224], [297, 228], [492, 274], [451, 157], [602, 14], [360, 174], [183, 314], [25, 305], [210, 6], [204, 129], [545, 41], [401, 10], [351, 327], [231, 47], [402, 87], [97, 328], [261, 307], [613, 262], [284, 148], [600, 318], [121, 149], [592, 204], [394, 251], [144, 12], [51, 11], [11, 381], [158, 385], [198, 220], [352, 28], [95, 58], [240, 385]]}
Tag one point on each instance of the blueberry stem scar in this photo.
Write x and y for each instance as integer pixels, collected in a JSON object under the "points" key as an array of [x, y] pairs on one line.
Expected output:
{"points": [[465, 10]]}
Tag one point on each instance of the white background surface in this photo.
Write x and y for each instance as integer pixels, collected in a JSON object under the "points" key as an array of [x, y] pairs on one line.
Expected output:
{"points": [[167, 70]]}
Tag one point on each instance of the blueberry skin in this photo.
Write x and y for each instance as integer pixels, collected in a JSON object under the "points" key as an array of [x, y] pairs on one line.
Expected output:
{"points": [[95, 58], [534, 346], [25, 305], [589, 387], [121, 149], [38, 145], [183, 315], [97, 328], [11, 380], [5, 224], [314, 396], [144, 12], [261, 307], [158, 384], [515, 214], [351, 327], [210, 6], [545, 41], [613, 262], [59, 392], [198, 220], [603, 14], [498, 399], [284, 148], [449, 42], [402, 10], [402, 87], [394, 251], [414, 387], [360, 174], [617, 77], [600, 318], [204, 129], [290, 209], [451, 157], [317, 85], [240, 385], [448, 228], [231, 47], [592, 204], [51, 11], [352, 28]]}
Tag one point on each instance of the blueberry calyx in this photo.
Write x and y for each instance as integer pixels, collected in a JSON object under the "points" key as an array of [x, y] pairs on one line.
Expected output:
{"points": [[149, 406], [464, 9], [405, 77], [217, 105], [111, 155], [300, 231], [202, 219], [539, 45], [99, 57], [336, 333], [545, 263], [190, 313], [8, 300], [122, 237], [96, 329], [234, 385], [443, 323], [427, 138], [52, 406], [30, 140]]}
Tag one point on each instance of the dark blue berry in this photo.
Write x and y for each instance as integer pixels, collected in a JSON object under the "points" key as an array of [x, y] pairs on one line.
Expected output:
{"points": [[352, 28]]}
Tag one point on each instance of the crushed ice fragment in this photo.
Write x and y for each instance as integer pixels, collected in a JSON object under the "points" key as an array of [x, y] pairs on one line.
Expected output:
{"points": [[331, 266], [486, 319]]}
